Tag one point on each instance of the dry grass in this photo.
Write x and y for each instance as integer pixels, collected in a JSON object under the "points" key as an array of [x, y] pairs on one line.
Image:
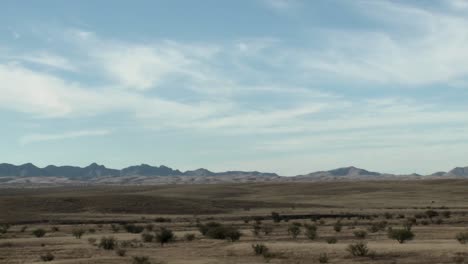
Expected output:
{"points": [[97, 207]]}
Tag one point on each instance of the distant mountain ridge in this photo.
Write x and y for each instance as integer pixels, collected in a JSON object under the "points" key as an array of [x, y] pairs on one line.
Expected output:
{"points": [[146, 174], [94, 170]]}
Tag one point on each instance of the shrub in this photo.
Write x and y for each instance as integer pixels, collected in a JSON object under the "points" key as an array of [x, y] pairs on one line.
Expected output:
{"points": [[164, 236], [331, 240], [149, 227], [337, 226], [92, 230], [121, 252], [135, 229], [361, 234], [323, 258], [78, 233], [256, 229], [462, 237], [446, 214], [39, 232], [431, 213], [141, 260], [359, 249], [146, 237], [311, 232], [260, 249], [267, 229], [47, 257], [439, 221], [388, 215], [294, 230], [162, 220], [23, 229], [55, 229], [204, 228], [424, 222], [217, 231], [115, 228], [108, 243], [400, 235], [92, 240], [189, 237], [276, 217]]}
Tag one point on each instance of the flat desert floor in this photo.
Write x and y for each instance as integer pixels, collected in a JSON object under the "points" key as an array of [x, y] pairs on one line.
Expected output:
{"points": [[435, 211]]}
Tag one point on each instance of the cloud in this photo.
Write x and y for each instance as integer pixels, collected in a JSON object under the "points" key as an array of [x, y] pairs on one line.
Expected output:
{"points": [[281, 5], [420, 48], [36, 138], [50, 60]]}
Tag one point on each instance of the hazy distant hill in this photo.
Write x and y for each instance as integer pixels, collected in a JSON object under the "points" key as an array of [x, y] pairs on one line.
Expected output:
{"points": [[146, 174]]}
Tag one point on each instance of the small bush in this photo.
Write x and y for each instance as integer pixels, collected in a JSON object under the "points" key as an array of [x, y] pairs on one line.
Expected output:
{"points": [[388, 215], [92, 230], [294, 230], [331, 240], [39, 232], [359, 249], [135, 229], [141, 260], [217, 231], [204, 228], [446, 214], [361, 234], [23, 229], [147, 238], [337, 226], [55, 229], [92, 240], [149, 227], [189, 237], [260, 249], [78, 233], [276, 217], [115, 228], [164, 236], [323, 258], [121, 252], [267, 229], [108, 243], [47, 257], [162, 220], [462, 237], [256, 229], [400, 235], [311, 232]]}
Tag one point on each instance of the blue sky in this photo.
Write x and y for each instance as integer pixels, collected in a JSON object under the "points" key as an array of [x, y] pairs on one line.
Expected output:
{"points": [[285, 86]]}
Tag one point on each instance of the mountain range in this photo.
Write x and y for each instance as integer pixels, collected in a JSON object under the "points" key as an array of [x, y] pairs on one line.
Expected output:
{"points": [[145, 174]]}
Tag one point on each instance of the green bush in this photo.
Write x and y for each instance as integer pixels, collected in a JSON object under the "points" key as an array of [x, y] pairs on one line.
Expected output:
{"points": [[218, 231], [462, 237], [164, 236], [337, 226], [294, 230], [267, 229], [189, 237], [78, 232], [39, 232], [121, 252], [331, 240], [47, 257], [359, 249], [147, 238], [276, 217], [108, 243], [361, 234], [260, 249], [323, 258], [311, 232], [135, 229], [400, 235], [141, 260]]}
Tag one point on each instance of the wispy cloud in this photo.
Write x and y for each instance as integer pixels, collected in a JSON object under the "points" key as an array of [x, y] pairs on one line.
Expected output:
{"points": [[36, 138]]}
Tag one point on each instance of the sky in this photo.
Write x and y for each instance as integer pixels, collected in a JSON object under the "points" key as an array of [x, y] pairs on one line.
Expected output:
{"points": [[285, 86]]}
